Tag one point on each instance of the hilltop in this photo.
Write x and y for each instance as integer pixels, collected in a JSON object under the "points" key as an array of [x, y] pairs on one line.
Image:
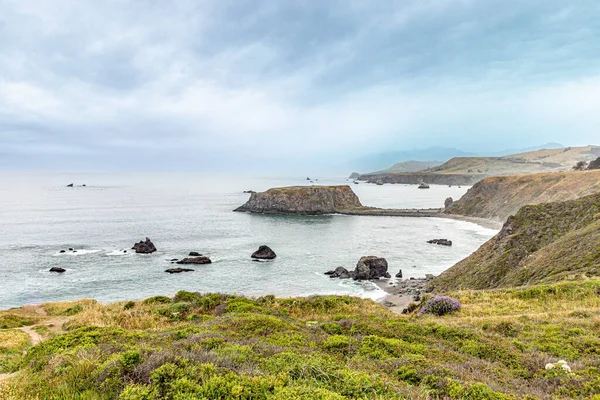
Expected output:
{"points": [[498, 197], [216, 346], [468, 170], [410, 166], [540, 244]]}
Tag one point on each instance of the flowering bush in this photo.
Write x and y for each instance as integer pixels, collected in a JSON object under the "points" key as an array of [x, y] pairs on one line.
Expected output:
{"points": [[560, 365], [440, 305]]}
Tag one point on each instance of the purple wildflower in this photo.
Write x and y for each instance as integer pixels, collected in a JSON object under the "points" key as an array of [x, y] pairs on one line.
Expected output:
{"points": [[440, 305]]}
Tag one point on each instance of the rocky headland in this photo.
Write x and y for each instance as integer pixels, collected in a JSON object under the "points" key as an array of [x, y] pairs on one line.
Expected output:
{"points": [[302, 200]]}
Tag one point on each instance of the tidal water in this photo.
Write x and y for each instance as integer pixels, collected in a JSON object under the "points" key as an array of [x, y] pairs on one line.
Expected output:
{"points": [[39, 216]]}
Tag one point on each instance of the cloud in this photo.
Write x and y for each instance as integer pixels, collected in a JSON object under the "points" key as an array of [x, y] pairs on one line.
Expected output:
{"points": [[293, 80]]}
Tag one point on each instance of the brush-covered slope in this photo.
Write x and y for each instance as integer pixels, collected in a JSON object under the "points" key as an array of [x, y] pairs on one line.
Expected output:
{"points": [[540, 244], [216, 346], [498, 197], [302, 200]]}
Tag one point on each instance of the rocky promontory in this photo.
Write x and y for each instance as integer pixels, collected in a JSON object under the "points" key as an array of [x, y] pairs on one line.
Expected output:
{"points": [[302, 200]]}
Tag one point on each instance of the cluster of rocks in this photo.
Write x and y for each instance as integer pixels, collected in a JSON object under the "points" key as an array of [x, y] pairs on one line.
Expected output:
{"points": [[441, 242], [70, 185], [414, 287], [367, 268], [72, 250]]}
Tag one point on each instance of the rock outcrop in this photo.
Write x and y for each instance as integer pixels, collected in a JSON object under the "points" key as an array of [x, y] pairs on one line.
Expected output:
{"points": [[441, 242], [195, 254], [264, 253], [144, 247], [448, 202], [339, 272], [178, 270], [195, 260], [57, 269], [302, 200], [354, 175], [371, 267]]}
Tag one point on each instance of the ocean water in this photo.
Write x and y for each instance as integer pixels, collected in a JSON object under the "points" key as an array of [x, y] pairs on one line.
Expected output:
{"points": [[39, 216]]}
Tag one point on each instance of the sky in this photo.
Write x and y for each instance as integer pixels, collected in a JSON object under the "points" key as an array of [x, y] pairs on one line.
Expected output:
{"points": [[272, 84]]}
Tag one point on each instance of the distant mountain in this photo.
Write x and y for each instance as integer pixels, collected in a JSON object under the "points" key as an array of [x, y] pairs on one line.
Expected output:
{"points": [[506, 152]]}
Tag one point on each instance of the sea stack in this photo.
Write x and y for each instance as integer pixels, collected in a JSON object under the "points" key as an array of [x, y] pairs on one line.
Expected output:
{"points": [[144, 247], [302, 200], [264, 253]]}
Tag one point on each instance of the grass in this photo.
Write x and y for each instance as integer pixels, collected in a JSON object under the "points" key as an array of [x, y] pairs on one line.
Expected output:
{"points": [[214, 346]]}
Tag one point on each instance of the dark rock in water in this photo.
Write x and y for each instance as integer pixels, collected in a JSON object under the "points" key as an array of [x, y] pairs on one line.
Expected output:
{"points": [[84, 185], [144, 247], [57, 269], [178, 270], [340, 272], [371, 267], [264, 253], [70, 185], [174, 259], [307, 178], [124, 251], [62, 251], [70, 249], [195, 254], [387, 275], [249, 191], [399, 274], [195, 260], [74, 251], [441, 242], [448, 202]]}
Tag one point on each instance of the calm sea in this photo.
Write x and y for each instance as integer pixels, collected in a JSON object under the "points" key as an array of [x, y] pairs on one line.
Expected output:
{"points": [[39, 216]]}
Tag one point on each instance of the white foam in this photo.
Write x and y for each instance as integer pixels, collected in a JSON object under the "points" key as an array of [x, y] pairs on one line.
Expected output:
{"points": [[77, 252], [117, 253]]}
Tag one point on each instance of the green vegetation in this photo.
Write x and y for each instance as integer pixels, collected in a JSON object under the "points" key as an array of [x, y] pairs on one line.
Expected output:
{"points": [[215, 346], [541, 244]]}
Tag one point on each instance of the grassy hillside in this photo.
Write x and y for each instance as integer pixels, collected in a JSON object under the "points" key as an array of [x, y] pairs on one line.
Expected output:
{"points": [[552, 160], [225, 347], [411, 166], [541, 243], [498, 197]]}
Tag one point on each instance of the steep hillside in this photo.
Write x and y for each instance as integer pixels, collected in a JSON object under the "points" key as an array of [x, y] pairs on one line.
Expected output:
{"points": [[540, 244], [498, 197], [411, 166]]}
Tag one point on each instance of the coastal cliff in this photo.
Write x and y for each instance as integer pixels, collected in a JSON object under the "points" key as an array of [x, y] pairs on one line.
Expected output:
{"points": [[499, 197], [302, 200], [542, 243], [417, 177]]}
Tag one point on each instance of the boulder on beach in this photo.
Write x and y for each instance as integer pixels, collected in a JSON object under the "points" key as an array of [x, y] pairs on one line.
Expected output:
{"points": [[144, 247], [178, 270], [195, 260], [399, 274], [264, 253], [441, 242], [371, 267], [57, 269], [195, 254]]}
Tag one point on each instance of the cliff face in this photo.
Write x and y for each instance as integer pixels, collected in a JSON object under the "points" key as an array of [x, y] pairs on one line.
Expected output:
{"points": [[498, 197], [302, 200], [541, 244]]}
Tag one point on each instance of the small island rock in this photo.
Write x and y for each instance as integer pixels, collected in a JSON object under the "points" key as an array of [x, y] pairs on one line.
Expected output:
{"points": [[441, 242], [57, 269], [264, 253], [371, 267], [195, 254], [195, 260], [178, 270], [144, 247]]}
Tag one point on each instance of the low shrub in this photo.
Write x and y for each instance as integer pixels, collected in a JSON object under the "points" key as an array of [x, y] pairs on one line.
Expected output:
{"points": [[440, 305]]}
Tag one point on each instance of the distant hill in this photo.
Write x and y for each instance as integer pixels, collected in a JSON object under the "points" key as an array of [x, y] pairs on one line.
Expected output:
{"points": [[541, 244], [382, 161], [501, 196], [411, 166], [472, 169]]}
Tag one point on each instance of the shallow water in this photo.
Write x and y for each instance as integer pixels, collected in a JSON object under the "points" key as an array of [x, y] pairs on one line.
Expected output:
{"points": [[39, 216]]}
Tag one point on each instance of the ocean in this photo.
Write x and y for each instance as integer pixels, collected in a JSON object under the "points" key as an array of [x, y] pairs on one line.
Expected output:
{"points": [[39, 216]]}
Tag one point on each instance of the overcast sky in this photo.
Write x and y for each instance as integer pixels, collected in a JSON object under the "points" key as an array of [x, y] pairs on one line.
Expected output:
{"points": [[215, 82]]}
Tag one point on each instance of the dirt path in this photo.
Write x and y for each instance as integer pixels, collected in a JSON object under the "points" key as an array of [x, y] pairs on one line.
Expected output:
{"points": [[53, 324]]}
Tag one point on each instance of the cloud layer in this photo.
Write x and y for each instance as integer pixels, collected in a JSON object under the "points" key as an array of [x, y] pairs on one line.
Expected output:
{"points": [[219, 81]]}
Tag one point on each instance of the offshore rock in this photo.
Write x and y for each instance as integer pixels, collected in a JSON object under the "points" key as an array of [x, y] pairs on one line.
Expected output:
{"points": [[57, 269], [195, 260], [178, 270], [441, 242], [144, 247], [264, 253], [303, 200]]}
